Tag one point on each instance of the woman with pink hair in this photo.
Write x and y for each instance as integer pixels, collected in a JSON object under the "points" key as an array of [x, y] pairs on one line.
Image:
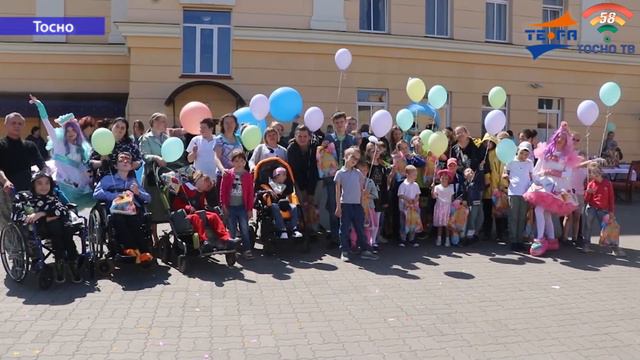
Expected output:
{"points": [[551, 190], [70, 154]]}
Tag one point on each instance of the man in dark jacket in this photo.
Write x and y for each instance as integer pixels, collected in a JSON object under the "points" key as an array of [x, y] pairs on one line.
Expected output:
{"points": [[301, 155], [41, 143]]}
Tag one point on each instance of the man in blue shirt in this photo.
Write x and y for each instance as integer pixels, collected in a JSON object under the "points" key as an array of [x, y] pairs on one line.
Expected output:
{"points": [[342, 141]]}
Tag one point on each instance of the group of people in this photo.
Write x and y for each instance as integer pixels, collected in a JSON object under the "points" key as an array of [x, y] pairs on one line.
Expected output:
{"points": [[393, 189]]}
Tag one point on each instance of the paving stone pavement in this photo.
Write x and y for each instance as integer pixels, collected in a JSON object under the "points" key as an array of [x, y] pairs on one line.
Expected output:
{"points": [[480, 302]]}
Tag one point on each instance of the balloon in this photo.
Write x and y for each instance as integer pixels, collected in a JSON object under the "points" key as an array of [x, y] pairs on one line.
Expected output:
{"points": [[610, 93], [259, 106], [103, 141], [251, 137], [313, 118], [285, 104], [611, 127], [245, 116], [343, 59], [506, 150], [427, 110], [373, 139], [172, 149], [416, 89], [588, 112], [438, 143], [495, 122], [381, 123], [424, 137], [404, 119], [497, 97], [437, 96], [192, 114]]}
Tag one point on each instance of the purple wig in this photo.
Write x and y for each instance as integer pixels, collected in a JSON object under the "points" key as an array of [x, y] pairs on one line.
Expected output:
{"points": [[562, 132], [80, 140]]}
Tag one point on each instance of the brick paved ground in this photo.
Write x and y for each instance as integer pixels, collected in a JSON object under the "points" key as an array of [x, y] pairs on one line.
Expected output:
{"points": [[472, 303]]}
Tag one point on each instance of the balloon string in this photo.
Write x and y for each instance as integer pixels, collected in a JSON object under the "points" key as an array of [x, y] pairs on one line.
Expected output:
{"points": [[604, 131], [339, 89], [587, 137]]}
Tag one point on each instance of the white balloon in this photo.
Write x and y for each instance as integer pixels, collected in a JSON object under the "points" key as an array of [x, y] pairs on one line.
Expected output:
{"points": [[381, 123], [373, 139], [313, 118], [259, 106], [588, 112], [343, 59], [495, 122]]}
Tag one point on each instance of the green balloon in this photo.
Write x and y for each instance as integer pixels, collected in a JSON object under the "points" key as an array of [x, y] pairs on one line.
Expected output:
{"points": [[103, 141], [404, 119], [610, 93], [251, 137], [497, 97]]}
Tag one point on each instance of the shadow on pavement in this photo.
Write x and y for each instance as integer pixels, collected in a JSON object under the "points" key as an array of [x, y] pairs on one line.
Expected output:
{"points": [[133, 277], [459, 275], [58, 294]]}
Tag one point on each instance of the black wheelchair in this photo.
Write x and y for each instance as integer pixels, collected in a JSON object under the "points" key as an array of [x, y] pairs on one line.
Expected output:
{"points": [[24, 251], [104, 250]]}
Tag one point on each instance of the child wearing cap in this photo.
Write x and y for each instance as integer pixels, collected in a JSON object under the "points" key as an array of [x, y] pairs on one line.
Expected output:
{"points": [[519, 173], [443, 193]]}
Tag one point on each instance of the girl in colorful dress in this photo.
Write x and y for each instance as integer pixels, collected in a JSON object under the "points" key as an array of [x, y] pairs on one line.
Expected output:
{"points": [[408, 196], [443, 193], [70, 154], [551, 191]]}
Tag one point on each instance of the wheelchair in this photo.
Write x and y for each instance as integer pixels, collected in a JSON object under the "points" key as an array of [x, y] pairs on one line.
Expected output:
{"points": [[24, 251], [104, 251]]}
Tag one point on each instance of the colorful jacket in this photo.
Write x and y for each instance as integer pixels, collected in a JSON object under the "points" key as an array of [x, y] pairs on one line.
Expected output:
{"points": [[247, 189], [26, 203]]}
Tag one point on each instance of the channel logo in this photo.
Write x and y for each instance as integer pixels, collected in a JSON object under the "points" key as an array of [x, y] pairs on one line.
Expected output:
{"points": [[607, 17], [551, 30]]}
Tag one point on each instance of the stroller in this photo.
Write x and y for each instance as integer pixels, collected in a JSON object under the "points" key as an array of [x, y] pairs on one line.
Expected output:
{"points": [[265, 225], [186, 241]]}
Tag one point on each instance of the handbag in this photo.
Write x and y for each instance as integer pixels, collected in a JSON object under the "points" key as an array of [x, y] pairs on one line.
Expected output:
{"points": [[123, 204]]}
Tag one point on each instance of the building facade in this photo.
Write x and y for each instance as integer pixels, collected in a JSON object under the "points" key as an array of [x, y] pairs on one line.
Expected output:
{"points": [[159, 54]]}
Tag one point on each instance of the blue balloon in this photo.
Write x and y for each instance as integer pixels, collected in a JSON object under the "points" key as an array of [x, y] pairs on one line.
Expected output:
{"points": [[172, 149], [285, 104], [245, 116], [427, 110], [506, 150]]}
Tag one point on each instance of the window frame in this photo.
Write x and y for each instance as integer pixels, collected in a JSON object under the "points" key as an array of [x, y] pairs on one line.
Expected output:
{"points": [[504, 108], [561, 9], [215, 28], [558, 112], [371, 104], [507, 22], [448, 36], [386, 18]]}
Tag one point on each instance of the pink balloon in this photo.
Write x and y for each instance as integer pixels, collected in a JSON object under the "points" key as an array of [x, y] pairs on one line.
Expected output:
{"points": [[192, 114]]}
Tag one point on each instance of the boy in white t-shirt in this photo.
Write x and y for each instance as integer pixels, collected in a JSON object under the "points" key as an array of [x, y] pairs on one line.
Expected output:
{"points": [[520, 175], [201, 150], [409, 200]]}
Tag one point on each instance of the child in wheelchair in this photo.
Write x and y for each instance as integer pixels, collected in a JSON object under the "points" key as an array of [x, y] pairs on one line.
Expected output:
{"points": [[192, 198], [125, 200], [275, 197], [43, 209]]}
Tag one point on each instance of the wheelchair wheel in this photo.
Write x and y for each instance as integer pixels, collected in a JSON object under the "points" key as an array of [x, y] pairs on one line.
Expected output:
{"points": [[231, 259], [181, 263], [164, 249], [45, 277], [97, 233], [14, 253], [104, 267]]}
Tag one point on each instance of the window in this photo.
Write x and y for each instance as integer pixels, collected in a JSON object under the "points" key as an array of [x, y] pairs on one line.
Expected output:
{"points": [[373, 15], [438, 18], [206, 42], [486, 108], [549, 116], [551, 10], [369, 101], [496, 23]]}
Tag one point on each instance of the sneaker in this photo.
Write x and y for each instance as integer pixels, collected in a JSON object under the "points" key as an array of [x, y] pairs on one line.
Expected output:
{"points": [[75, 272], [206, 247], [587, 249], [401, 244], [382, 239], [59, 267], [619, 252], [129, 252], [297, 234], [538, 247], [344, 256], [146, 257], [553, 244], [375, 249], [439, 242], [447, 243], [248, 255], [415, 244], [368, 255], [284, 235]]}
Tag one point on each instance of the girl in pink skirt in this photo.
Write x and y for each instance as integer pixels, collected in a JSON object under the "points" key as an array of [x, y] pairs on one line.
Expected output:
{"points": [[443, 193]]}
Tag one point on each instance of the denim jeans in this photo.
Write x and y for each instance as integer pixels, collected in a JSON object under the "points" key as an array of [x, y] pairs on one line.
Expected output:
{"points": [[330, 189], [238, 218], [352, 215], [279, 221], [590, 214]]}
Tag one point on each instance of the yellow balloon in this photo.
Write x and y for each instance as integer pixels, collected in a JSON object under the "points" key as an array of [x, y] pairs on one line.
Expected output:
{"points": [[438, 143], [416, 89]]}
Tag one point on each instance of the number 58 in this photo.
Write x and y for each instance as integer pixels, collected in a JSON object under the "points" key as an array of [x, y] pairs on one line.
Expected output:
{"points": [[607, 17]]}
